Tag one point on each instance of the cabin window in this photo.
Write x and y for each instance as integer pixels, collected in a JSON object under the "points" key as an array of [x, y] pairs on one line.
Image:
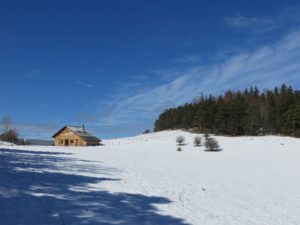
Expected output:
{"points": [[72, 141], [61, 141]]}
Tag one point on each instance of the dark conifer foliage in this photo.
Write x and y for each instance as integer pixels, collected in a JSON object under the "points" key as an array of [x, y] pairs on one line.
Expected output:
{"points": [[251, 112]]}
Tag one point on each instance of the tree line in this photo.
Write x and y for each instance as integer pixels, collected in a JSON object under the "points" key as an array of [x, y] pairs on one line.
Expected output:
{"points": [[248, 112]]}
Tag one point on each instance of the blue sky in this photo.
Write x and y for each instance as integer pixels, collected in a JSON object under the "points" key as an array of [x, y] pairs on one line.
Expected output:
{"points": [[115, 65]]}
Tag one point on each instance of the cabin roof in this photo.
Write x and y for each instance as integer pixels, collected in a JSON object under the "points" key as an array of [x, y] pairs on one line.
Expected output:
{"points": [[80, 131], [90, 138]]}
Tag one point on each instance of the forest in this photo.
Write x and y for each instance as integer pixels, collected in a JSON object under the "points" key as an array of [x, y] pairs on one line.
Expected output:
{"points": [[248, 112]]}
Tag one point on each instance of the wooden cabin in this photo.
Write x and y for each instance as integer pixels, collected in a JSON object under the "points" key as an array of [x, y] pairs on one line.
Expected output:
{"points": [[74, 136]]}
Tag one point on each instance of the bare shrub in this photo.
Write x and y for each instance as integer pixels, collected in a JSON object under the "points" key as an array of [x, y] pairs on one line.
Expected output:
{"points": [[180, 140], [211, 145], [10, 135], [147, 131], [206, 136], [197, 141]]}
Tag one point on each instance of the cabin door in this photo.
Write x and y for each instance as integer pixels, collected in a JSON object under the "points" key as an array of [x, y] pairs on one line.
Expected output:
{"points": [[66, 142]]}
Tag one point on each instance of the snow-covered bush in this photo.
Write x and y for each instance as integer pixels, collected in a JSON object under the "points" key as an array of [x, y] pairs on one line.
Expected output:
{"points": [[211, 144], [197, 141], [180, 140], [179, 149]]}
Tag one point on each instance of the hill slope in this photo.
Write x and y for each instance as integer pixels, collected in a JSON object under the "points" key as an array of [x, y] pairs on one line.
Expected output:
{"points": [[144, 180]]}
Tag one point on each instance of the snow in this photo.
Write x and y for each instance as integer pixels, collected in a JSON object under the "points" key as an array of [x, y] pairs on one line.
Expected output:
{"points": [[4, 143], [145, 180]]}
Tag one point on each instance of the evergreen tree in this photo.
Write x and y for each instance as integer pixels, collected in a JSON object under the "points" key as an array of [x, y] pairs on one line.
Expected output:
{"points": [[250, 112]]}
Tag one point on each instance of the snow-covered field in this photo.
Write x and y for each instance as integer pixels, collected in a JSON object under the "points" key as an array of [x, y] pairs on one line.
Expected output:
{"points": [[145, 180]]}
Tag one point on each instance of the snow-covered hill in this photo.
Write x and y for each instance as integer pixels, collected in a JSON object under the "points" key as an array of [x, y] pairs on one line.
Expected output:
{"points": [[145, 180]]}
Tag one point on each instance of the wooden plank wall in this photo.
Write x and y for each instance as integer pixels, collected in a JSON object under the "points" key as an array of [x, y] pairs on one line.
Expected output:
{"points": [[67, 134]]}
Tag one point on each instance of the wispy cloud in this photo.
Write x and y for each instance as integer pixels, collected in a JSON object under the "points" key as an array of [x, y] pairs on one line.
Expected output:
{"points": [[290, 14], [285, 18], [239, 21], [83, 84], [33, 74], [266, 66]]}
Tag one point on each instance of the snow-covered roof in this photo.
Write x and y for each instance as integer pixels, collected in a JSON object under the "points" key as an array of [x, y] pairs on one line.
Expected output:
{"points": [[80, 130]]}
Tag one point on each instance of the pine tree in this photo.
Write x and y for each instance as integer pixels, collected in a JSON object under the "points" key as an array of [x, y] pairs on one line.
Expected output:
{"points": [[250, 112]]}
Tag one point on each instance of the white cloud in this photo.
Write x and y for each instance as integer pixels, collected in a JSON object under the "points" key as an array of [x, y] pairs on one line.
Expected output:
{"points": [[266, 67], [83, 84], [240, 21], [286, 18]]}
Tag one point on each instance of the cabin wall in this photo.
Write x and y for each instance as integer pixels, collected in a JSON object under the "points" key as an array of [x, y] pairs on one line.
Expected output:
{"points": [[69, 138]]}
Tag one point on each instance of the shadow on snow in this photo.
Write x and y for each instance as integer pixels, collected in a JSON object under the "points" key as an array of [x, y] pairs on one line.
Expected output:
{"points": [[33, 191]]}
